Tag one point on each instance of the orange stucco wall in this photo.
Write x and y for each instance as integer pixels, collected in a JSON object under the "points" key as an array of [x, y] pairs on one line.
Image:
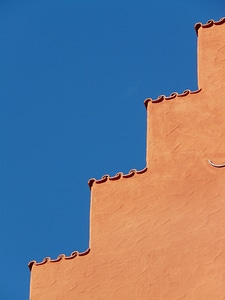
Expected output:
{"points": [[159, 233]]}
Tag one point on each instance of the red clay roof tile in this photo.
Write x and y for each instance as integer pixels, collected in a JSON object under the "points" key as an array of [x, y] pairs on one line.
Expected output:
{"points": [[210, 23], [60, 257], [172, 96]]}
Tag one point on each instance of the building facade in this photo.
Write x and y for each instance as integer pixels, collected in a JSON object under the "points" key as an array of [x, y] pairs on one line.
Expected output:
{"points": [[159, 233]]}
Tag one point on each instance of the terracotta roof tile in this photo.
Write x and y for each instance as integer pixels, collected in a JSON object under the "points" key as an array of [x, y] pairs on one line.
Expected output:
{"points": [[116, 177], [210, 23], [60, 257], [172, 96]]}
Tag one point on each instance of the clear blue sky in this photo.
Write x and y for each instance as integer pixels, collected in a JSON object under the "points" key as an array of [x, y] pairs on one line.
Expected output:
{"points": [[73, 78]]}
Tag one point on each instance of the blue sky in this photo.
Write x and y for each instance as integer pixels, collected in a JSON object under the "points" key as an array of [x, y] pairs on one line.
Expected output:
{"points": [[73, 78]]}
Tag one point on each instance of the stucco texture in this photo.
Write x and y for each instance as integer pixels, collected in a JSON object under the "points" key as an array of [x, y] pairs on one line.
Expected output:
{"points": [[159, 233]]}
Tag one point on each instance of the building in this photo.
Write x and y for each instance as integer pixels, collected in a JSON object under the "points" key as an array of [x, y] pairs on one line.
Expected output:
{"points": [[159, 233]]}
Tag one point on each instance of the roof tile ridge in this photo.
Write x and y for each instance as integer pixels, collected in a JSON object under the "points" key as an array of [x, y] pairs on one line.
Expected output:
{"points": [[209, 23], [119, 175], [172, 96], [60, 257]]}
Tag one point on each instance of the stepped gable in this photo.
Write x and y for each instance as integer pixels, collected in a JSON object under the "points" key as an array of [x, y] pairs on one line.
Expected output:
{"points": [[174, 215], [210, 23], [116, 177], [172, 96], [60, 257]]}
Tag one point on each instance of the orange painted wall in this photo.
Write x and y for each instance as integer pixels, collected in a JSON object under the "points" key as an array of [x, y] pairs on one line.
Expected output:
{"points": [[159, 233]]}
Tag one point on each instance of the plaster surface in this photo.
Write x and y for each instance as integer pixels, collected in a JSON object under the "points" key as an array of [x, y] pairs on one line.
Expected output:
{"points": [[159, 233]]}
